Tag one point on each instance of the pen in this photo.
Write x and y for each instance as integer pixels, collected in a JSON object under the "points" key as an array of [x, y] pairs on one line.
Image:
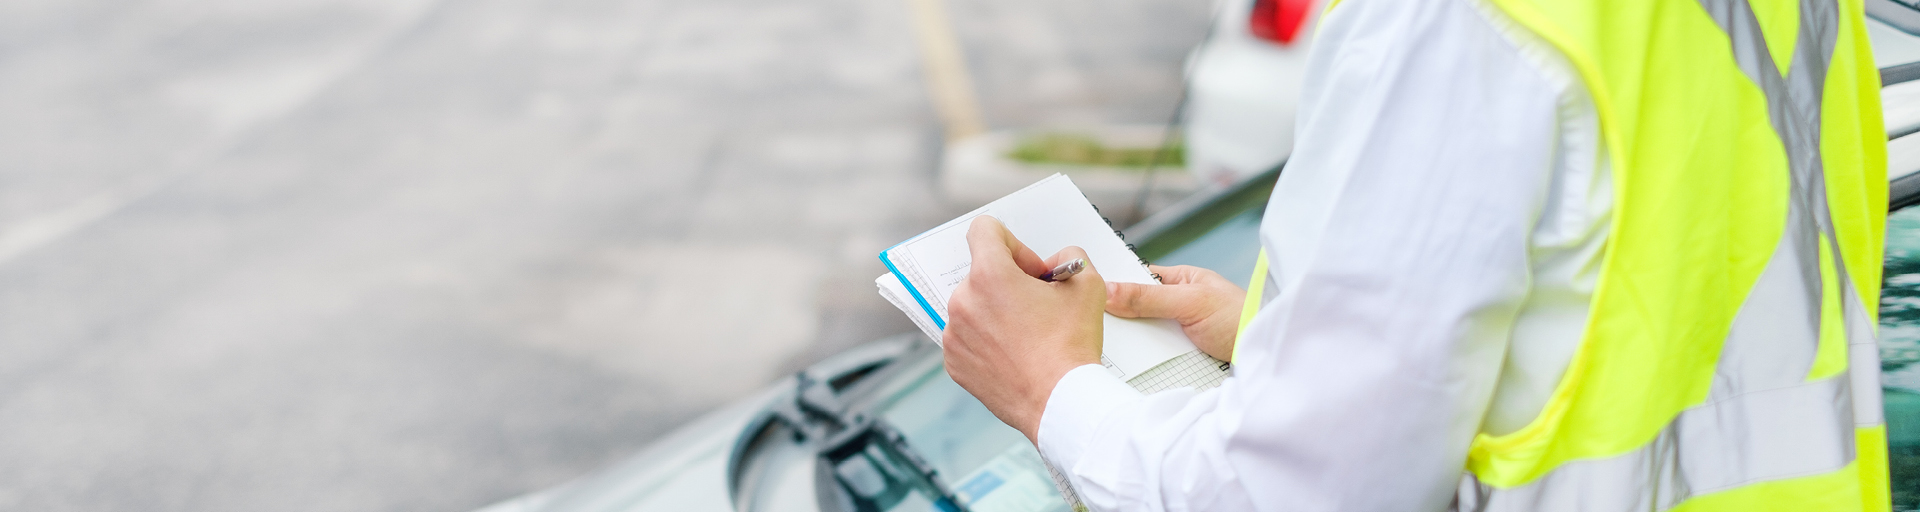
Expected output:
{"points": [[1064, 271]]}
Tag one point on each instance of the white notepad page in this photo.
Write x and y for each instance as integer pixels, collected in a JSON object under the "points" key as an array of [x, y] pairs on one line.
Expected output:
{"points": [[1046, 216]]}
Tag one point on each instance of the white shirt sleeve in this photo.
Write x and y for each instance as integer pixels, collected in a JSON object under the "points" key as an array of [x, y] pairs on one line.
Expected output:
{"points": [[1400, 241]]}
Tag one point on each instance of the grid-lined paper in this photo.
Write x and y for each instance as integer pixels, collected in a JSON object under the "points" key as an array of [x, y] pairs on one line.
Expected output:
{"points": [[1060, 482], [1194, 370]]}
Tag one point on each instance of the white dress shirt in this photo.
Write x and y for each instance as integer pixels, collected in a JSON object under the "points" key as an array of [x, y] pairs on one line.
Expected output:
{"points": [[1434, 243]]}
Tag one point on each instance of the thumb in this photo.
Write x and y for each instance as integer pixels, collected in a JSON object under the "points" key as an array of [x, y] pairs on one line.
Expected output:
{"points": [[1134, 300]]}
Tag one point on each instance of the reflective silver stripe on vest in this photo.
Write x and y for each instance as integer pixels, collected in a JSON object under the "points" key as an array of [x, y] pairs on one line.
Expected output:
{"points": [[1776, 332], [1781, 433], [1762, 420], [1769, 344]]}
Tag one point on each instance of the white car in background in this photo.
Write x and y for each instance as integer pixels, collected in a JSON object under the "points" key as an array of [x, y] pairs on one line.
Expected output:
{"points": [[1243, 86]]}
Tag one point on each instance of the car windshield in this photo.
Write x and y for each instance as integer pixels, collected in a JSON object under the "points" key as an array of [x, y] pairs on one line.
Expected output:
{"points": [[1229, 248], [1899, 351], [988, 465]]}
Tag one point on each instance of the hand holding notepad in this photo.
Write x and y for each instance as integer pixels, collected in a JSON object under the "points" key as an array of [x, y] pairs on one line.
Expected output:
{"points": [[1047, 216], [1149, 354]]}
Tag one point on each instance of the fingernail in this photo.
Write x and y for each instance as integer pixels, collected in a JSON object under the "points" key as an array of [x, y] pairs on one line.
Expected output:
{"points": [[1112, 288]]}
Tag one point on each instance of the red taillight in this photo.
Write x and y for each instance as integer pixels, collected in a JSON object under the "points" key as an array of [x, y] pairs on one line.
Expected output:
{"points": [[1278, 20]]}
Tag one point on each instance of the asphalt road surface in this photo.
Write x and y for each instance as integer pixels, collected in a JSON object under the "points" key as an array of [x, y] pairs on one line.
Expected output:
{"points": [[411, 255]]}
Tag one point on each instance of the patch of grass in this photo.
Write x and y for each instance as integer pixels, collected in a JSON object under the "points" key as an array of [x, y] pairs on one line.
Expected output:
{"points": [[1076, 149]]}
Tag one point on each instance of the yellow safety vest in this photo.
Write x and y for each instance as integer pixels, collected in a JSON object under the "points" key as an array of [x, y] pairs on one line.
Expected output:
{"points": [[1729, 358]]}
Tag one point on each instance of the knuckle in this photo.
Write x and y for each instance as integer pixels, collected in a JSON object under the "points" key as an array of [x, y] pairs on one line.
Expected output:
{"points": [[1122, 298], [980, 228], [977, 272], [960, 308]]}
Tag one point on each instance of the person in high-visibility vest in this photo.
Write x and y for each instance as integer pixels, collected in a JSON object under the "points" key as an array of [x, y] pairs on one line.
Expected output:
{"points": [[1584, 255]]}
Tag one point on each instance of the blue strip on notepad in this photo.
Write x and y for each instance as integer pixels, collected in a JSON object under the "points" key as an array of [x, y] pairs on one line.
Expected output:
{"points": [[912, 291]]}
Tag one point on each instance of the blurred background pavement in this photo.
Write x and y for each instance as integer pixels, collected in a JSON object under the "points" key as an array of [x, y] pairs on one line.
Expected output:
{"points": [[408, 255]]}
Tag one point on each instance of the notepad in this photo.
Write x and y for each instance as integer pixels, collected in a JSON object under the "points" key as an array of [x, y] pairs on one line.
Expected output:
{"points": [[1047, 216]]}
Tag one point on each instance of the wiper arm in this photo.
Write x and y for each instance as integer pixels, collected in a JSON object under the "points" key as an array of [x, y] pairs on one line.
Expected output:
{"points": [[872, 466]]}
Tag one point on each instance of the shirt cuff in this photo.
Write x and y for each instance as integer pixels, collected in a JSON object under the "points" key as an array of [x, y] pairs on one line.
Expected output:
{"points": [[1082, 399]]}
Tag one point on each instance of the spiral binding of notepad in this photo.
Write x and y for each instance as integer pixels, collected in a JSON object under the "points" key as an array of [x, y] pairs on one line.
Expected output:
{"points": [[1123, 238]]}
